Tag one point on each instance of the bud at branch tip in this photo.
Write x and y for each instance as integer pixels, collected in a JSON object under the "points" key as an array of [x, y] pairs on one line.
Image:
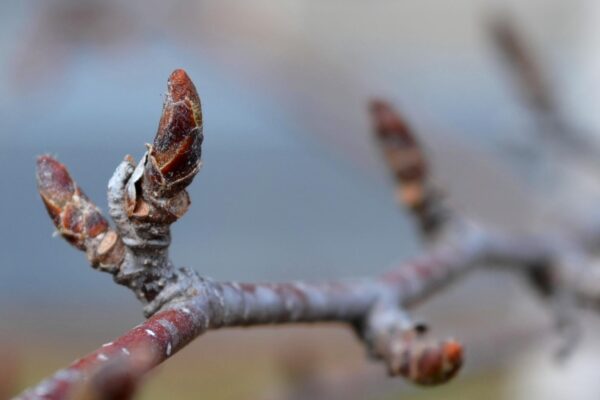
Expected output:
{"points": [[174, 157]]}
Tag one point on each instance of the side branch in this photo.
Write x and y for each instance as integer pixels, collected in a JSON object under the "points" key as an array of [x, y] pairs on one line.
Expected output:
{"points": [[531, 78]]}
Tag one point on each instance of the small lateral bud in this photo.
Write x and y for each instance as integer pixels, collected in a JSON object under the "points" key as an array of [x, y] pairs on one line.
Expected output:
{"points": [[174, 157], [76, 218], [402, 153], [55, 186], [406, 159], [425, 363]]}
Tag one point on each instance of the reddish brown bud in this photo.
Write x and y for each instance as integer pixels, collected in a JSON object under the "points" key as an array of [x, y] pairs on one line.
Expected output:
{"points": [[389, 124], [174, 157], [427, 363], [400, 146], [401, 151], [76, 218], [55, 185]]}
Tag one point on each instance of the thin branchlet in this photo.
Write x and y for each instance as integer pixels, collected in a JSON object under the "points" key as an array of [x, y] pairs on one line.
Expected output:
{"points": [[530, 77], [523, 63]]}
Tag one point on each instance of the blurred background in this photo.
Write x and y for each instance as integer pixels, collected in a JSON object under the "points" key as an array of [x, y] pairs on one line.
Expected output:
{"points": [[292, 185]]}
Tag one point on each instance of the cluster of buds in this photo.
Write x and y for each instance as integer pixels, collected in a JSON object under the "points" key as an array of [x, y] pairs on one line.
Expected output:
{"points": [[145, 199], [153, 197]]}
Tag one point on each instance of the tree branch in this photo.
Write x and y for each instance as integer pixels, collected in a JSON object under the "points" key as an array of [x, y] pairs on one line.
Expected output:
{"points": [[217, 305], [181, 304]]}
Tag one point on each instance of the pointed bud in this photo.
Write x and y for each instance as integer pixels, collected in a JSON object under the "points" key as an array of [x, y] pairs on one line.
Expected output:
{"points": [[55, 186], [174, 157], [75, 217], [406, 159], [401, 151]]}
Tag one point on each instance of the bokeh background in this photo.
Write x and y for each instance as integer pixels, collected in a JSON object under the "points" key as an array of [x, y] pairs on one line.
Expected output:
{"points": [[292, 186]]}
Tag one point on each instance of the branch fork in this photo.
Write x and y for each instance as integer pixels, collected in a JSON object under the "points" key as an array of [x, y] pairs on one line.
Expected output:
{"points": [[145, 200]]}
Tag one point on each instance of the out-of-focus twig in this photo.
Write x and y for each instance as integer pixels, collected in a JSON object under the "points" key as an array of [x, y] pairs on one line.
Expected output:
{"points": [[530, 77], [117, 379]]}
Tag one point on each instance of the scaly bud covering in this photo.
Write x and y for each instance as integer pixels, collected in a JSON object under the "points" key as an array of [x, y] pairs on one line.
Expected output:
{"points": [[402, 153], [76, 218], [174, 157]]}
